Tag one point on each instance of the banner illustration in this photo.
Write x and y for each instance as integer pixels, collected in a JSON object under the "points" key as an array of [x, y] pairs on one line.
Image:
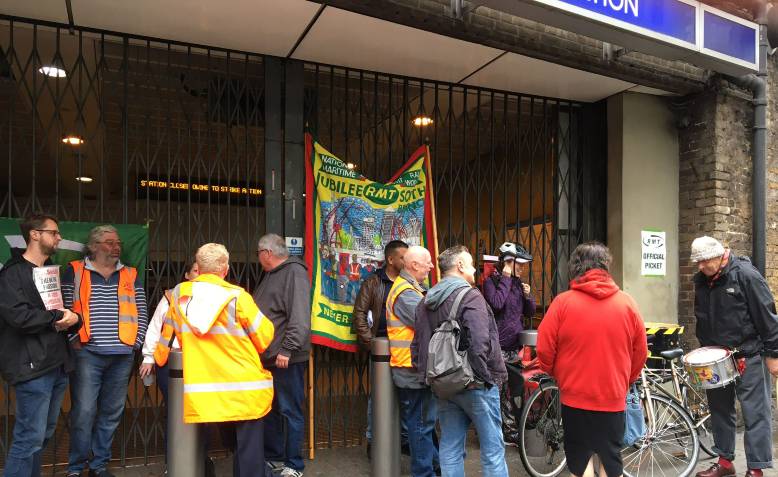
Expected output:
{"points": [[349, 219]]}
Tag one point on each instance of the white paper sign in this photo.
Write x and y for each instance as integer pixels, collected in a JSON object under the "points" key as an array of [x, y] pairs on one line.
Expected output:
{"points": [[653, 261], [295, 245], [47, 281]]}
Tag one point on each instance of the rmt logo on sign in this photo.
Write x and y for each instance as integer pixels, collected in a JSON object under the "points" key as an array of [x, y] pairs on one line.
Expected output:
{"points": [[654, 241]]}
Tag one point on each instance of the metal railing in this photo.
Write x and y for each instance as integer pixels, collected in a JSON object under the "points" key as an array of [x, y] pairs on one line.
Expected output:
{"points": [[174, 136]]}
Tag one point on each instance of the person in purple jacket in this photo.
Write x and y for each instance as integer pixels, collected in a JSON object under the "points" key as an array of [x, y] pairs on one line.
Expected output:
{"points": [[510, 299]]}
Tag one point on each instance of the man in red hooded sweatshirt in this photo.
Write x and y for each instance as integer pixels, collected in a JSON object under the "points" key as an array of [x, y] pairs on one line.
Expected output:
{"points": [[593, 342]]}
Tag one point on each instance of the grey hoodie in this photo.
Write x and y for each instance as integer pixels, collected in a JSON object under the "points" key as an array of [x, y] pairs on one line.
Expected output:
{"points": [[480, 331], [284, 297]]}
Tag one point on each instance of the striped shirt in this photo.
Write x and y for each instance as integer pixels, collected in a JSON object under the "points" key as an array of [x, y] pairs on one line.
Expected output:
{"points": [[104, 310]]}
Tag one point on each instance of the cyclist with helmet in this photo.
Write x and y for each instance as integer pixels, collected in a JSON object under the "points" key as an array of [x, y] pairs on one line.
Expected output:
{"points": [[508, 295], [510, 299]]}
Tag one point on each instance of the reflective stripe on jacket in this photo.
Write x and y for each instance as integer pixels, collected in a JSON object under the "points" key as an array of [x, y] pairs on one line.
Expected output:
{"points": [[128, 310], [222, 334], [400, 335]]}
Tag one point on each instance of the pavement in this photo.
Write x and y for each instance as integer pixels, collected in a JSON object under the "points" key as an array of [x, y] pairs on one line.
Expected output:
{"points": [[352, 462]]}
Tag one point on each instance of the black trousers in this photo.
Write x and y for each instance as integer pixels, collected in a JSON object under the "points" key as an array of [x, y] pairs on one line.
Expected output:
{"points": [[246, 440], [753, 391]]}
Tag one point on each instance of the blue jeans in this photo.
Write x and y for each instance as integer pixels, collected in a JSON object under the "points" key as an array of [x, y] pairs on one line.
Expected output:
{"points": [[369, 430], [418, 412], [482, 408], [38, 403], [288, 396], [99, 391]]}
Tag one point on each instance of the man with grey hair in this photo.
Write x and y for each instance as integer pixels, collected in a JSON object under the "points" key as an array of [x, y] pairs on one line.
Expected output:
{"points": [[109, 297], [479, 403], [735, 309], [284, 296], [417, 406]]}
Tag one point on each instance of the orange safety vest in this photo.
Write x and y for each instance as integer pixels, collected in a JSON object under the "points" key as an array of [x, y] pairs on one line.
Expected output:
{"points": [[222, 334], [128, 310], [400, 335]]}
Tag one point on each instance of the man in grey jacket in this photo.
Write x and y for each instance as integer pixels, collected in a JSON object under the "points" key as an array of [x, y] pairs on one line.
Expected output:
{"points": [[480, 402], [284, 296]]}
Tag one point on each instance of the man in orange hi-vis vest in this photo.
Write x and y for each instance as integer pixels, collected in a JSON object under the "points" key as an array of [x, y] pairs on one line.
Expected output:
{"points": [[109, 297], [222, 334]]}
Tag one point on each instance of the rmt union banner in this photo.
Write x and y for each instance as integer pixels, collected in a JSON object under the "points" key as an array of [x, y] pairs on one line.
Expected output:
{"points": [[349, 219]]}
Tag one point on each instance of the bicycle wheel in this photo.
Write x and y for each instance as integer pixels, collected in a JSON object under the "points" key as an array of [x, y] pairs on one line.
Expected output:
{"points": [[669, 448], [697, 407], [541, 445]]}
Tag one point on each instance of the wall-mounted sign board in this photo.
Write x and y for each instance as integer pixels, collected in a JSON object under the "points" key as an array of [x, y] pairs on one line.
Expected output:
{"points": [[684, 30]]}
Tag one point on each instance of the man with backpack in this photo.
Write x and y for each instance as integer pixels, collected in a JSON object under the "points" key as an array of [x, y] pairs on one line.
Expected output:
{"points": [[417, 407], [479, 400]]}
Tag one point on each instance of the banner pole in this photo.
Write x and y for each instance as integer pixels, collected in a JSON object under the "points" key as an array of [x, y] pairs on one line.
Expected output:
{"points": [[433, 215], [311, 437]]}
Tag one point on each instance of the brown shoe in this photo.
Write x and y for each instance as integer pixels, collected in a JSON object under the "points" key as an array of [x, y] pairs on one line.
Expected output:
{"points": [[751, 474], [716, 471]]}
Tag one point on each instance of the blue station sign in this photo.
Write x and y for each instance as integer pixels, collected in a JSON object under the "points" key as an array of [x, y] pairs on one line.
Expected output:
{"points": [[671, 18], [685, 30]]}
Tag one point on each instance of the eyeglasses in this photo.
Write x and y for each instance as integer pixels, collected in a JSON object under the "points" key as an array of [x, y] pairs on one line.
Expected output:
{"points": [[262, 250], [112, 243], [52, 232]]}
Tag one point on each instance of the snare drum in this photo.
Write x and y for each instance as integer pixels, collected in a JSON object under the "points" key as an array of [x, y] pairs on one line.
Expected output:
{"points": [[711, 367]]}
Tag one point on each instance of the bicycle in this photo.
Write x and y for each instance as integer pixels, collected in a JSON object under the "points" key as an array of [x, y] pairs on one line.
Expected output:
{"points": [[670, 446], [541, 438], [693, 400], [532, 412]]}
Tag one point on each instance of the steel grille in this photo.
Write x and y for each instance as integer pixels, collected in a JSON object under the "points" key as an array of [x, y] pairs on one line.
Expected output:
{"points": [[506, 167]]}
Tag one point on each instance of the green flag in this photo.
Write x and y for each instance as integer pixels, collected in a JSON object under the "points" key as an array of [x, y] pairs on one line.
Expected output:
{"points": [[135, 242]]}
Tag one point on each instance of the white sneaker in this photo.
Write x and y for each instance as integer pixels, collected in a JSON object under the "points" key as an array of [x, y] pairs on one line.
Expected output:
{"points": [[290, 472]]}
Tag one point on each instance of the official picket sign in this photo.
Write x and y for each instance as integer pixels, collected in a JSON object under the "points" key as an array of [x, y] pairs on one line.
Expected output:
{"points": [[653, 260]]}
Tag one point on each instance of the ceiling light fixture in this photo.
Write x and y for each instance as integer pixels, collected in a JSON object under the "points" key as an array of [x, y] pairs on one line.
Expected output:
{"points": [[52, 71], [351, 166], [422, 121], [84, 179], [73, 140]]}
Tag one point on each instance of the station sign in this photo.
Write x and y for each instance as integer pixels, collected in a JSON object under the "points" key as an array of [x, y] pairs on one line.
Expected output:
{"points": [[685, 30]]}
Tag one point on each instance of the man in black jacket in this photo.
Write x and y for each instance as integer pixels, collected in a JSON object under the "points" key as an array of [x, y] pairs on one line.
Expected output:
{"points": [[369, 316], [284, 296], [735, 309], [34, 354]]}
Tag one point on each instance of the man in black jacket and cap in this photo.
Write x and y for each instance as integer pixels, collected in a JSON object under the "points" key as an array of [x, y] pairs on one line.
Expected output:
{"points": [[284, 297], [35, 356], [735, 309]]}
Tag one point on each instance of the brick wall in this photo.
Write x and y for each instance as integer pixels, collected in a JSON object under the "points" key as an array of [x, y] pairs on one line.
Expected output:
{"points": [[715, 178]]}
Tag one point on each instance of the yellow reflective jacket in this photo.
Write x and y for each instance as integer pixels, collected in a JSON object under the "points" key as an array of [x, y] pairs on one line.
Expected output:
{"points": [[400, 335], [222, 334]]}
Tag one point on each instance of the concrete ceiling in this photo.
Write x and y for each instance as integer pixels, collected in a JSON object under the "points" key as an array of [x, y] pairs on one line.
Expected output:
{"points": [[308, 31]]}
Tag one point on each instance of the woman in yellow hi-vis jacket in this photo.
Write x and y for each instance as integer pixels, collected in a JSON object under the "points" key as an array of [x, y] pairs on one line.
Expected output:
{"points": [[222, 334]]}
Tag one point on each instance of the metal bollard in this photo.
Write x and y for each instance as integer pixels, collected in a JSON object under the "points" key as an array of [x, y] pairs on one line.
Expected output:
{"points": [[185, 442], [385, 449]]}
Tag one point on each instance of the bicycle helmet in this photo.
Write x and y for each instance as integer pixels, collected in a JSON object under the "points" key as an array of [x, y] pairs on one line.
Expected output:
{"points": [[517, 252]]}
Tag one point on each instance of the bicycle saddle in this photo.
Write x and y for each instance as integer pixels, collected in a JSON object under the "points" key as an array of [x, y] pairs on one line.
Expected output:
{"points": [[671, 354]]}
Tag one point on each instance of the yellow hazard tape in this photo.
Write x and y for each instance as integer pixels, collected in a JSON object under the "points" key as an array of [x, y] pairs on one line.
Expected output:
{"points": [[663, 329]]}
